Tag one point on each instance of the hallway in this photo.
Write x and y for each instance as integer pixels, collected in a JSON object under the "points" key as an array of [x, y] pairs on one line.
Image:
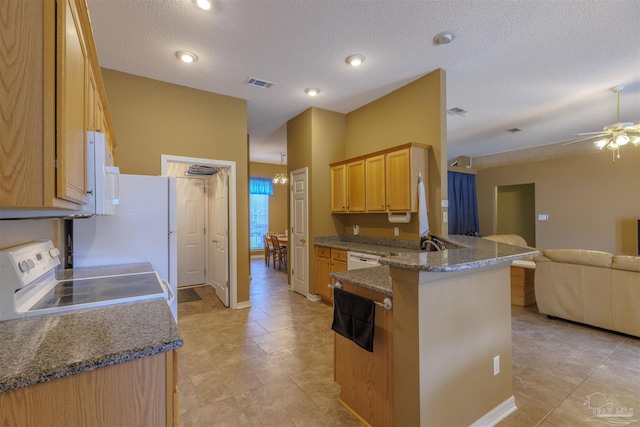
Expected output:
{"points": [[271, 364]]}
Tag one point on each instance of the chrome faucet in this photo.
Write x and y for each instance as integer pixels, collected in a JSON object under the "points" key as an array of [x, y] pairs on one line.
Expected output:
{"points": [[441, 246], [425, 242]]}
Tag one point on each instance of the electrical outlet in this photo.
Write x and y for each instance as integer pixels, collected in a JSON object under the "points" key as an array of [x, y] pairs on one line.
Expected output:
{"points": [[445, 216], [496, 365], [396, 231]]}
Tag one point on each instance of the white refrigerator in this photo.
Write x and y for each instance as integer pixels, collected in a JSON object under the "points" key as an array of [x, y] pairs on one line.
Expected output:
{"points": [[143, 229]]}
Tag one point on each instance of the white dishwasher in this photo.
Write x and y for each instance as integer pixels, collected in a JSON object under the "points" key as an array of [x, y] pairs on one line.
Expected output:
{"points": [[356, 260]]}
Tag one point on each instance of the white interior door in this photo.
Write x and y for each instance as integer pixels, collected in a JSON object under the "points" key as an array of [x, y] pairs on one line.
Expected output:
{"points": [[299, 246], [219, 246], [191, 200]]}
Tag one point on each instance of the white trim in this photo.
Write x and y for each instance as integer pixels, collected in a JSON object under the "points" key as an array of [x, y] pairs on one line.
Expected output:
{"points": [[497, 414], [312, 297], [243, 304], [233, 227]]}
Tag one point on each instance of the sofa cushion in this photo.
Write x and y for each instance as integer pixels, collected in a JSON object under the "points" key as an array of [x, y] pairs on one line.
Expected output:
{"points": [[580, 256], [626, 262]]}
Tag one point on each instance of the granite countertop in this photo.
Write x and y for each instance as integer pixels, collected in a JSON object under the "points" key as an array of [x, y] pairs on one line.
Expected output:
{"points": [[41, 348], [473, 252], [369, 245], [374, 278]]}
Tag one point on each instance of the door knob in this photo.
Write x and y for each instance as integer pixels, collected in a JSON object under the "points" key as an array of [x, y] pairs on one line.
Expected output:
{"points": [[214, 241], [303, 240]]}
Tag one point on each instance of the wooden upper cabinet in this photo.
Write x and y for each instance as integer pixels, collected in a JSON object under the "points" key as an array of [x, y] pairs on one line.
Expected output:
{"points": [[54, 95], [375, 192], [384, 181], [72, 82], [398, 181], [355, 186], [339, 188]]}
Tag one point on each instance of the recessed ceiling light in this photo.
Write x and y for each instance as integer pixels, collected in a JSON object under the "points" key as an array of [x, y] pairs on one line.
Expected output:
{"points": [[355, 60], [312, 91], [204, 4], [186, 56], [444, 37]]}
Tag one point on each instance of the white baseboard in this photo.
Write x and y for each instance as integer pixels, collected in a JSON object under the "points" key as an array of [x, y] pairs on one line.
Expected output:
{"points": [[243, 304], [497, 414], [311, 297]]}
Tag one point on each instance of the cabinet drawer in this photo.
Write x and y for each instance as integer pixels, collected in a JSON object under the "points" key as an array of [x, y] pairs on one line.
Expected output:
{"points": [[323, 252], [339, 255]]}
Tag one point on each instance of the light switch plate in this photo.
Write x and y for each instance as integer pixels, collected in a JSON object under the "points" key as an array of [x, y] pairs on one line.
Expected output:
{"points": [[396, 231], [445, 217]]}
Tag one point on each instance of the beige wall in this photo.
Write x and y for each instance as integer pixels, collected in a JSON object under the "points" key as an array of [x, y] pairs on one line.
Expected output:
{"points": [[516, 211], [315, 138], [277, 202], [592, 203], [18, 232], [152, 118], [414, 113]]}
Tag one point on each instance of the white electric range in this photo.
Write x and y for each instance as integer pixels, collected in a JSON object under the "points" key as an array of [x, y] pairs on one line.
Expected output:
{"points": [[28, 284]]}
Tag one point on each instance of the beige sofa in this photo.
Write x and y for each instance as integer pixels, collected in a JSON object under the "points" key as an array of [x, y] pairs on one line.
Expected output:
{"points": [[591, 287]]}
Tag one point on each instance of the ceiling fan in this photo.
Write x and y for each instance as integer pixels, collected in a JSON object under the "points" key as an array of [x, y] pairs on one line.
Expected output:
{"points": [[615, 135]]}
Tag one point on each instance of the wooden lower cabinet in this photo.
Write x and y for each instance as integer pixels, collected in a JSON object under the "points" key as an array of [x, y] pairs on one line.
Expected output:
{"points": [[328, 261], [366, 379], [141, 392], [522, 290]]}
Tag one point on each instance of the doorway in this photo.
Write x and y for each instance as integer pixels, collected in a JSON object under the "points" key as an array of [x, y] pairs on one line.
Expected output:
{"points": [[515, 211], [220, 254], [299, 245], [191, 229]]}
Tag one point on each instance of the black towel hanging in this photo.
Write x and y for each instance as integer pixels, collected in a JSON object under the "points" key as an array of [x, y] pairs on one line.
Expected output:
{"points": [[354, 317]]}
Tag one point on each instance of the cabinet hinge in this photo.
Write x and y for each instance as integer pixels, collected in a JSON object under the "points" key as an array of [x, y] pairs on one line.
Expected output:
{"points": [[226, 283], [55, 163], [292, 272]]}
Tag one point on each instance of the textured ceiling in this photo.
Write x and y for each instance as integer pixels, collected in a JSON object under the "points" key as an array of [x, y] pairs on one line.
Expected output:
{"points": [[543, 66]]}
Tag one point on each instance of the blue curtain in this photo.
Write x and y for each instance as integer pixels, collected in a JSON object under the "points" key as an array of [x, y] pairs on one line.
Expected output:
{"points": [[463, 204], [260, 186]]}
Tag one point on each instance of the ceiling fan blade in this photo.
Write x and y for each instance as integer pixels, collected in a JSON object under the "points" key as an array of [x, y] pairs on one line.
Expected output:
{"points": [[573, 141], [591, 133]]}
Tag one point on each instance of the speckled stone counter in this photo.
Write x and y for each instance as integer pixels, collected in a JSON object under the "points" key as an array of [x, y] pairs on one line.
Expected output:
{"points": [[369, 245], [473, 252], [374, 278], [41, 348]]}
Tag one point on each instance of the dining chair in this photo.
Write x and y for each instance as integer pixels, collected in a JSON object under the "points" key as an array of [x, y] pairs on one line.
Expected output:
{"points": [[268, 251], [280, 252]]}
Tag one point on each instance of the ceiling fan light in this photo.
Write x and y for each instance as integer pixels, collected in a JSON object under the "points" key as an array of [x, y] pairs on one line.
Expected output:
{"points": [[612, 145], [636, 140], [601, 143], [622, 139]]}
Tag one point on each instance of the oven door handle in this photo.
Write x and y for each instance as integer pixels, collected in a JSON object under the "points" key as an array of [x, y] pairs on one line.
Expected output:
{"points": [[173, 295]]}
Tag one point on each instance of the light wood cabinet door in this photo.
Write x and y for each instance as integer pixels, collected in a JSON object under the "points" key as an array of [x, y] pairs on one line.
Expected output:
{"points": [[133, 393], [72, 82], [398, 180], [339, 188], [355, 186], [323, 268], [375, 192]]}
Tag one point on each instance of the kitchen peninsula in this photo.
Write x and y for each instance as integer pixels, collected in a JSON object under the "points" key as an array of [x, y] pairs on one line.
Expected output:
{"points": [[446, 342]]}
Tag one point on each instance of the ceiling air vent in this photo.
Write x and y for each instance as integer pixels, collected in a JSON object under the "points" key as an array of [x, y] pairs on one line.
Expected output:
{"points": [[514, 130], [457, 111], [263, 84]]}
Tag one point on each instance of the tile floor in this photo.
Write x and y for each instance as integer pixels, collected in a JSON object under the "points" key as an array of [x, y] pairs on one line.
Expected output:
{"points": [[272, 364]]}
